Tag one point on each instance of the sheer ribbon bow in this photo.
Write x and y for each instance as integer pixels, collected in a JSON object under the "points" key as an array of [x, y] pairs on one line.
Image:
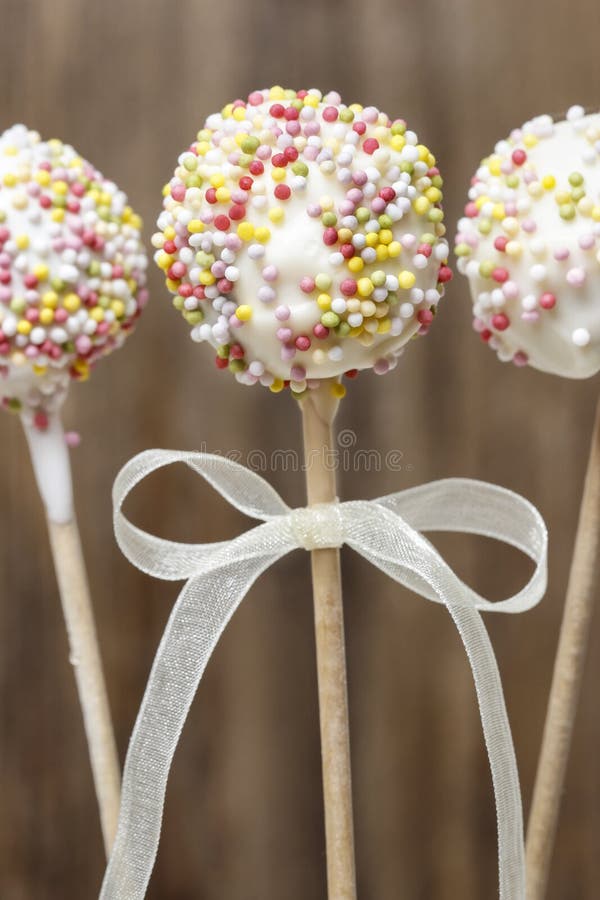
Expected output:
{"points": [[387, 532]]}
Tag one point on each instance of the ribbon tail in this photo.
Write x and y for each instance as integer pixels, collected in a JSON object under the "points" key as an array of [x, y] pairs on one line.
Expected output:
{"points": [[500, 749], [199, 617], [388, 542]]}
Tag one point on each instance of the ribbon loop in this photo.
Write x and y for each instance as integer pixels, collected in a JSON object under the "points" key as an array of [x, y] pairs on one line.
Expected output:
{"points": [[387, 533]]}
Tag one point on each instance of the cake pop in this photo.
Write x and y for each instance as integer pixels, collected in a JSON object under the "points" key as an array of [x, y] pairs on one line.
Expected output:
{"points": [[72, 275], [529, 243], [304, 238]]}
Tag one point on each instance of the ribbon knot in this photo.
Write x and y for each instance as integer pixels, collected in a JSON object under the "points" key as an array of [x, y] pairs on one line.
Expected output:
{"points": [[318, 527], [387, 532]]}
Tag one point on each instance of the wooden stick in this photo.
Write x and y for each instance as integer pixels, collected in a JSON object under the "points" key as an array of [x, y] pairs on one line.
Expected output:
{"points": [[566, 680], [52, 468], [318, 411]]}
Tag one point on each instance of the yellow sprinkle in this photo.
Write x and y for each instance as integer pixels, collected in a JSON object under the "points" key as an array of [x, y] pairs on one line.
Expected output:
{"points": [[82, 369], [97, 314], [382, 252], [22, 241], [244, 312], [498, 211], [596, 213], [372, 239], [163, 260], [57, 215], [397, 142], [549, 182], [276, 386], [494, 167], [356, 264], [385, 236], [276, 214], [217, 180], [72, 303], [245, 231], [195, 226], [324, 302], [41, 271], [223, 195], [530, 141], [239, 113], [513, 248], [262, 234], [394, 249], [433, 194], [60, 187], [24, 327], [170, 233], [46, 316], [421, 206], [118, 307], [364, 287], [9, 180], [172, 286], [338, 390], [406, 279], [384, 325], [206, 277]]}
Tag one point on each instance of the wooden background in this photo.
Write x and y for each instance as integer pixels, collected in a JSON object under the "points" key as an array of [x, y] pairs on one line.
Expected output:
{"points": [[128, 83]]}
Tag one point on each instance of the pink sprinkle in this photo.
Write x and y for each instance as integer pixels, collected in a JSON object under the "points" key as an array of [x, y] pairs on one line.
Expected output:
{"points": [[270, 273], [307, 284], [178, 192], [520, 359], [561, 253], [284, 335], [303, 342], [298, 373], [282, 313], [576, 277], [72, 439]]}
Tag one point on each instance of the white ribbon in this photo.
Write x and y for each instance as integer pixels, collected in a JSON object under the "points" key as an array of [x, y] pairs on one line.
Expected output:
{"points": [[386, 532]]}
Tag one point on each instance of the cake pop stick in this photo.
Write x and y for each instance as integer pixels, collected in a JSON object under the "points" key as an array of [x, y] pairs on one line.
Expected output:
{"points": [[567, 677], [318, 413], [529, 244], [303, 239], [72, 270], [51, 465]]}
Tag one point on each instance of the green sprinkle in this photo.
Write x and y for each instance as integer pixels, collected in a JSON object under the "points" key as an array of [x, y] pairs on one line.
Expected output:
{"points": [[250, 144], [330, 320], [329, 219], [486, 269], [323, 281], [567, 211]]}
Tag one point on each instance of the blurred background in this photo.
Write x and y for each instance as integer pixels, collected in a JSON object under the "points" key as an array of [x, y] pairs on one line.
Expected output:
{"points": [[128, 84]]}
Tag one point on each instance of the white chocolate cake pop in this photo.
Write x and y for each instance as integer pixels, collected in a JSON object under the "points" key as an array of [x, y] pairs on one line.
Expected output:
{"points": [[529, 244], [303, 238], [72, 270]]}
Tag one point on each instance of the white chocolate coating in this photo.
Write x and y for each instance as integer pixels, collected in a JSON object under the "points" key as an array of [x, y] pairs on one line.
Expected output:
{"points": [[330, 276], [530, 246]]}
